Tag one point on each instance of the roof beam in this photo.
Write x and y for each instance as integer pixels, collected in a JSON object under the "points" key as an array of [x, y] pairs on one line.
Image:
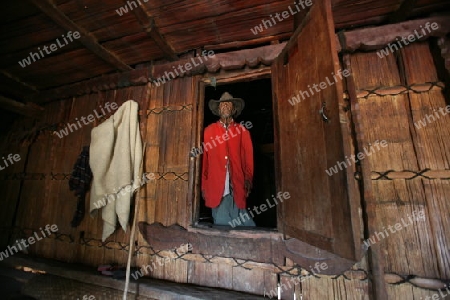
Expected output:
{"points": [[28, 109], [242, 44], [148, 23], [14, 78], [91, 43], [153, 31], [240, 61]]}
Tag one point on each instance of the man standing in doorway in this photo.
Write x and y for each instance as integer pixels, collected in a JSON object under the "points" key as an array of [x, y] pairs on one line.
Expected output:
{"points": [[227, 172]]}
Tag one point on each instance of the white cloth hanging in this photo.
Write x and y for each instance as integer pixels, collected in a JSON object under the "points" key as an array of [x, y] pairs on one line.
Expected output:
{"points": [[115, 158]]}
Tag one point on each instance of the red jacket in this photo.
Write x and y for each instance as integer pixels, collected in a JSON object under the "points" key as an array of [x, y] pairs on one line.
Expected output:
{"points": [[220, 145]]}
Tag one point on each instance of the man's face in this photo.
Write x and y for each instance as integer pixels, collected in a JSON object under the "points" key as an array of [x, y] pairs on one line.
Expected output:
{"points": [[225, 109]]}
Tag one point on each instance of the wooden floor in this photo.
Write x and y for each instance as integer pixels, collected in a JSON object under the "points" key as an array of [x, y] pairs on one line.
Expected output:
{"points": [[60, 277]]}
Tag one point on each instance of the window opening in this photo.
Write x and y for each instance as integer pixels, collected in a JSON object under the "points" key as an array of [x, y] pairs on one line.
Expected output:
{"points": [[258, 110]]}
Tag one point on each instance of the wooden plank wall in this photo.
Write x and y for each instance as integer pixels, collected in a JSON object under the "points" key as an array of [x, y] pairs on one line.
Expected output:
{"points": [[168, 138], [11, 188], [420, 248], [49, 201]]}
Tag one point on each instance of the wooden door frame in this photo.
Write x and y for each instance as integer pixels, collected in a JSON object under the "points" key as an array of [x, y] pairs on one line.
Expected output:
{"points": [[197, 133]]}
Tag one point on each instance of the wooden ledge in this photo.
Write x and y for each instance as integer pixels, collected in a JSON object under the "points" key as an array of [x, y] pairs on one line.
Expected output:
{"points": [[258, 249]]}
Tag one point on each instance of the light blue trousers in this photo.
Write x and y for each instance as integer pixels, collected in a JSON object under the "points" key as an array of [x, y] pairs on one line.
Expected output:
{"points": [[227, 213]]}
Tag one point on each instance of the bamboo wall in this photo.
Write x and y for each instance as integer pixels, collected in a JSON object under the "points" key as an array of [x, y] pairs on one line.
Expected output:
{"points": [[412, 172], [168, 115]]}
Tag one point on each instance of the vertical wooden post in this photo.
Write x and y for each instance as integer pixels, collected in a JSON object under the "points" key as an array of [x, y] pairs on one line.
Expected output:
{"points": [[376, 260]]}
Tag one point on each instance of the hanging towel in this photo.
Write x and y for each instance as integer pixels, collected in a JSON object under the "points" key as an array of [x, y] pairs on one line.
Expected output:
{"points": [[115, 158], [80, 182]]}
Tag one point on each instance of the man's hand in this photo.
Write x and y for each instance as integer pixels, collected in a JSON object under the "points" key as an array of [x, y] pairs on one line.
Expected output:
{"points": [[203, 195], [248, 187]]}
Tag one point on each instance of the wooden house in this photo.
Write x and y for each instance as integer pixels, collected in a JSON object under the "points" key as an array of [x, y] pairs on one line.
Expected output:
{"points": [[349, 106]]}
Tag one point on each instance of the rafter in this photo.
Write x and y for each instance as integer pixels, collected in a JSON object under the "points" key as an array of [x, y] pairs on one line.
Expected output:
{"points": [[14, 78], [161, 42], [241, 44], [91, 43], [148, 24], [28, 109]]}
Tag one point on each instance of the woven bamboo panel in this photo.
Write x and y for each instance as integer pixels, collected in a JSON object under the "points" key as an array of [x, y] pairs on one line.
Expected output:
{"points": [[46, 199], [168, 140], [168, 129], [326, 287], [420, 247], [408, 291]]}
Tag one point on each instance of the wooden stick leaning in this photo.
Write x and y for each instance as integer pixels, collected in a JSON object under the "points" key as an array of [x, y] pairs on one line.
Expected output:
{"points": [[133, 228]]}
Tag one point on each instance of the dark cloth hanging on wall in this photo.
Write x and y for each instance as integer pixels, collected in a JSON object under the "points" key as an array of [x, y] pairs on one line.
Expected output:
{"points": [[80, 182]]}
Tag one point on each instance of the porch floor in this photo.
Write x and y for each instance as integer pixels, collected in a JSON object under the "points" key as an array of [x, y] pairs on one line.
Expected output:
{"points": [[25, 277]]}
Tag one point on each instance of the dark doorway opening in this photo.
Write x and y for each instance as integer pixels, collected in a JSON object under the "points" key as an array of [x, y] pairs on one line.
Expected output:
{"points": [[258, 110]]}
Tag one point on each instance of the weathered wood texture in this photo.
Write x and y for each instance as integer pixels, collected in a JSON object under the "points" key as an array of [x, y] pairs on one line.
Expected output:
{"points": [[248, 247], [169, 117], [49, 9], [405, 291], [168, 144], [417, 139], [307, 144], [224, 61], [326, 287], [121, 34], [367, 39], [249, 58], [375, 259]]}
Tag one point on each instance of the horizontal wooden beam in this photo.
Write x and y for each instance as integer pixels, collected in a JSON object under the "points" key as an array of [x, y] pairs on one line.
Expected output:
{"points": [[28, 109], [378, 37], [94, 85], [242, 44], [235, 60], [255, 59], [14, 78], [249, 246], [91, 43]]}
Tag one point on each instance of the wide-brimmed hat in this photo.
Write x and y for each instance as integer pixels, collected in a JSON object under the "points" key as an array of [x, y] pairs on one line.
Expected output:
{"points": [[238, 104]]}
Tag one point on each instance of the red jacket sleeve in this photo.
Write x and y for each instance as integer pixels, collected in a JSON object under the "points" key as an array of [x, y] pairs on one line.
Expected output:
{"points": [[247, 155]]}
